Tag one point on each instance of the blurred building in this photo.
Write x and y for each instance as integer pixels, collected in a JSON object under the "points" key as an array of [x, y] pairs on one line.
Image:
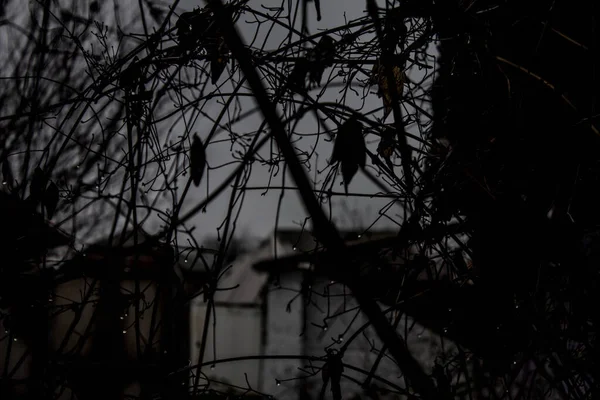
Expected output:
{"points": [[123, 316], [269, 302], [26, 239]]}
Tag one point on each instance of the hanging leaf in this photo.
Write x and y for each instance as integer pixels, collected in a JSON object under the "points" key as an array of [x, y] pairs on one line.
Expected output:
{"points": [[386, 145], [332, 372], [321, 57], [395, 30], [185, 24], [190, 28], [132, 75], [349, 149], [38, 183], [51, 199], [297, 78], [379, 76], [443, 383], [217, 66], [7, 175], [197, 160], [459, 262], [217, 52]]}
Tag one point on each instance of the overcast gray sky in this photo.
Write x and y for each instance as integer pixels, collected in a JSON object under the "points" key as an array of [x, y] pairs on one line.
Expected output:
{"points": [[258, 213]]}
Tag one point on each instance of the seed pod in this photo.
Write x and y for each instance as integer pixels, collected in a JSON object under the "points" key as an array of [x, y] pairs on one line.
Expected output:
{"points": [[197, 160]]}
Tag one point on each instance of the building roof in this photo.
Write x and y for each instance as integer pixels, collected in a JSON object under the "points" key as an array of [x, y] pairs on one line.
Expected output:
{"points": [[243, 283], [25, 234], [144, 260]]}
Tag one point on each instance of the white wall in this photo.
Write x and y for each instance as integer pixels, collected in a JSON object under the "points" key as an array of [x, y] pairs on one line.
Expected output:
{"points": [[283, 337], [238, 333]]}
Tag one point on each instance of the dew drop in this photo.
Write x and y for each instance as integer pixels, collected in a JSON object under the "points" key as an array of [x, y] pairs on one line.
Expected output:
{"points": [[277, 382], [212, 367]]}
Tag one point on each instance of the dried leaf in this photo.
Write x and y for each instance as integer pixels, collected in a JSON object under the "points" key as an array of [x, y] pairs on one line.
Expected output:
{"points": [[395, 30], [190, 28], [51, 199], [459, 262], [321, 57], [386, 144], [197, 160], [298, 76], [349, 149], [443, 383], [332, 372], [379, 76], [132, 75], [217, 66], [7, 175], [38, 183]]}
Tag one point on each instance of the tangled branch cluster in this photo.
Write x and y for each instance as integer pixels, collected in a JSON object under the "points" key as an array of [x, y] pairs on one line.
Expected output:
{"points": [[110, 113]]}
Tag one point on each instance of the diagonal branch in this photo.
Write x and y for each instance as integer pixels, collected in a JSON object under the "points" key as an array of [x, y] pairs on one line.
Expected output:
{"points": [[324, 230]]}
